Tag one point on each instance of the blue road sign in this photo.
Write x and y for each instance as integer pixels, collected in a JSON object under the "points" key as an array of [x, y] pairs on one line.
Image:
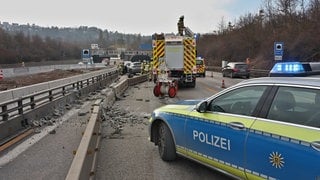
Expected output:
{"points": [[278, 48], [85, 54], [278, 51]]}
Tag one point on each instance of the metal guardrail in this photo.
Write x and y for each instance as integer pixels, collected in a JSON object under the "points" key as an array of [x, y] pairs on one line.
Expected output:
{"points": [[259, 73], [21, 71], [253, 72], [15, 110]]}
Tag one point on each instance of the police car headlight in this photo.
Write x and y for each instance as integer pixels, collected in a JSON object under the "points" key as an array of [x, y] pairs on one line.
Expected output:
{"points": [[153, 115]]}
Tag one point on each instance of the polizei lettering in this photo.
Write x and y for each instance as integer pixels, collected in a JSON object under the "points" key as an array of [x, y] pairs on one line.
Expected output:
{"points": [[210, 139]]}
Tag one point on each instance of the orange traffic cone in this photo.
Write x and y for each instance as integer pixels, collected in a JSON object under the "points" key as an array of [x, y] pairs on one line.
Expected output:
{"points": [[222, 84]]}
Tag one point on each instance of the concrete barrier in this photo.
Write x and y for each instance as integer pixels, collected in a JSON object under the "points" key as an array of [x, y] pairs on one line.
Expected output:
{"points": [[120, 88], [84, 162], [137, 80]]}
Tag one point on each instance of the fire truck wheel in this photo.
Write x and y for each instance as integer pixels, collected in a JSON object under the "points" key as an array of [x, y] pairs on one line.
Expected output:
{"points": [[156, 90], [172, 92]]}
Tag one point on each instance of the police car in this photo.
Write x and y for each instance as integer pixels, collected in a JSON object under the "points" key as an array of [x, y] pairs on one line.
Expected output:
{"points": [[263, 128]]}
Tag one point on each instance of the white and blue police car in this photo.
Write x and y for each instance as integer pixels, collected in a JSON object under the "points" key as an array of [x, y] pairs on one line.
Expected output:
{"points": [[263, 128]]}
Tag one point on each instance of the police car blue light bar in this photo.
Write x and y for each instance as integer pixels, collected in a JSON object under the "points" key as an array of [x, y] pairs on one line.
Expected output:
{"points": [[295, 69], [289, 67]]}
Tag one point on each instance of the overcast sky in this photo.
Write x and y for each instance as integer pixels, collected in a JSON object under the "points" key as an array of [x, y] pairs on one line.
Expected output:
{"points": [[127, 16]]}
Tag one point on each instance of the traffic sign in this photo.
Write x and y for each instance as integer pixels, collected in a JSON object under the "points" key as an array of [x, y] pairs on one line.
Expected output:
{"points": [[278, 50], [85, 54], [278, 58]]}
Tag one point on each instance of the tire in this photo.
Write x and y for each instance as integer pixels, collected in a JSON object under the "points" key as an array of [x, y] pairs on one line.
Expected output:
{"points": [[248, 76], [166, 147], [172, 92], [156, 90], [193, 84]]}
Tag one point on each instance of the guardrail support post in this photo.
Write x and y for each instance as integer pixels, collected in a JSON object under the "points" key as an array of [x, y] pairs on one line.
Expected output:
{"points": [[5, 116], [50, 95], [32, 103], [78, 85], [20, 106]]}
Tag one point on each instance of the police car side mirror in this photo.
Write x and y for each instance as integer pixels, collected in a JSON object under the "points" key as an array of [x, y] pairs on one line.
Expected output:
{"points": [[202, 107]]}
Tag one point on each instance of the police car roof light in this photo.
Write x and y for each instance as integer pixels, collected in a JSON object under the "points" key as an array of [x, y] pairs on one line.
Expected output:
{"points": [[288, 67], [295, 69]]}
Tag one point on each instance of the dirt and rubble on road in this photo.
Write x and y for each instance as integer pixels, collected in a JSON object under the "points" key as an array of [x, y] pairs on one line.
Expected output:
{"points": [[26, 80]]}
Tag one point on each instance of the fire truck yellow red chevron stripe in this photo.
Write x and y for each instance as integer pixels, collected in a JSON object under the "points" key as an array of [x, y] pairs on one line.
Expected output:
{"points": [[189, 55], [158, 52], [200, 69]]}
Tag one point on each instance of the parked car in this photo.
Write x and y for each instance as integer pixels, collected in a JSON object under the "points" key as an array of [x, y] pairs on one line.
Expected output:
{"points": [[236, 69], [134, 67]]}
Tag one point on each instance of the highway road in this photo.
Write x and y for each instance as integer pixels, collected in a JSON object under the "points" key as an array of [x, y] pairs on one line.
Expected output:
{"points": [[126, 152]]}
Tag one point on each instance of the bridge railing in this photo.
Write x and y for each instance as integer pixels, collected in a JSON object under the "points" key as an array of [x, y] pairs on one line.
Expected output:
{"points": [[20, 106]]}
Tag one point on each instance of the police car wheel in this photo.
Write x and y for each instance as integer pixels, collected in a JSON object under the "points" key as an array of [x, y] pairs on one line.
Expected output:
{"points": [[166, 145]]}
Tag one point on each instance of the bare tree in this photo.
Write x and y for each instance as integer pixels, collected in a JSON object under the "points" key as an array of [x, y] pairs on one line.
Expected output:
{"points": [[221, 26], [287, 7]]}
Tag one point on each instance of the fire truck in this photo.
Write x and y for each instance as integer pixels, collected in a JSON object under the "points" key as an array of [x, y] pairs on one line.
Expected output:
{"points": [[201, 67], [174, 61]]}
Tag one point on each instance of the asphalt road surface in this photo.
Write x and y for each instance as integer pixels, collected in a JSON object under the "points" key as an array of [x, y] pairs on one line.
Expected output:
{"points": [[126, 152]]}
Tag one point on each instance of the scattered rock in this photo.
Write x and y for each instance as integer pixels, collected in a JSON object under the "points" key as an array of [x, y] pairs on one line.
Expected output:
{"points": [[37, 130], [81, 113], [117, 118], [68, 106]]}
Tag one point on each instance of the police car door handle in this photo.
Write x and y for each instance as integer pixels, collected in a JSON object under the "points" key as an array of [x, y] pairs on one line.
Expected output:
{"points": [[316, 145], [236, 125]]}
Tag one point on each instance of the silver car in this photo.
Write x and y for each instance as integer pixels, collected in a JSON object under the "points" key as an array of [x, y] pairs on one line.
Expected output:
{"points": [[134, 67]]}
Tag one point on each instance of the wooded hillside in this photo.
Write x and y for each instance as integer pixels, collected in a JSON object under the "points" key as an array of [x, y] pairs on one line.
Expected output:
{"points": [[31, 43], [294, 22]]}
